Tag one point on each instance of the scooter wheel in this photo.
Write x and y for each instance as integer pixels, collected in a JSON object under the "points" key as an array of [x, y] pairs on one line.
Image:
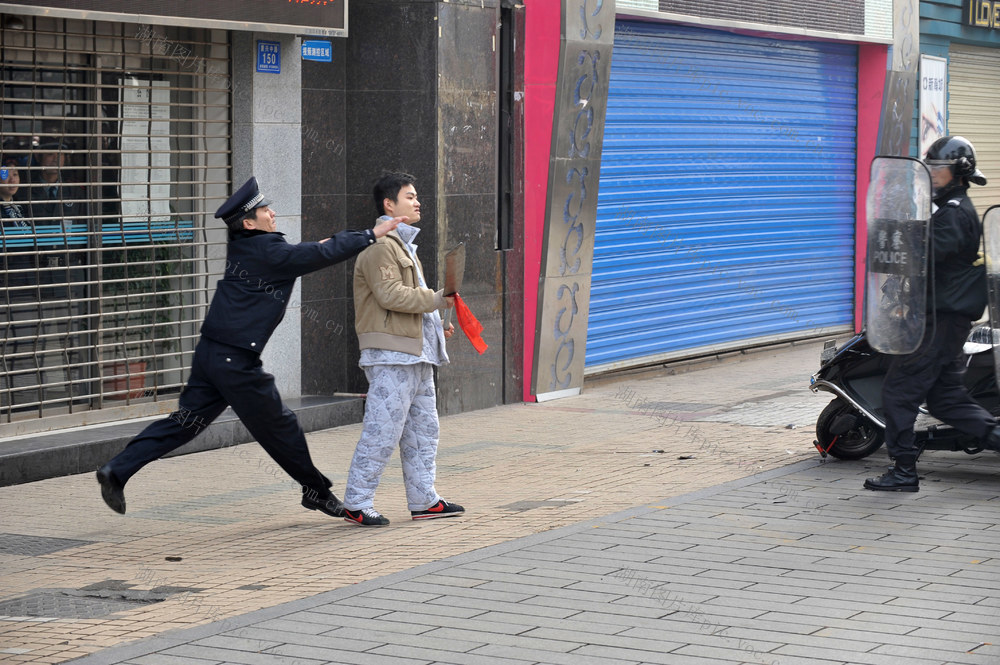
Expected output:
{"points": [[859, 441]]}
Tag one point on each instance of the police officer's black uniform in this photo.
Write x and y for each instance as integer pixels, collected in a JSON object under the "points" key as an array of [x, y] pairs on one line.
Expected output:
{"points": [[249, 302], [935, 371]]}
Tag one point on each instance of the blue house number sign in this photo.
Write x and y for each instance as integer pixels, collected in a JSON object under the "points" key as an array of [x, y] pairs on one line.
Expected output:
{"points": [[269, 57]]}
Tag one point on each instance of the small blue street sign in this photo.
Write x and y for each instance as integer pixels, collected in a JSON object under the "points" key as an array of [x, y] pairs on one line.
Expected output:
{"points": [[318, 50], [269, 57]]}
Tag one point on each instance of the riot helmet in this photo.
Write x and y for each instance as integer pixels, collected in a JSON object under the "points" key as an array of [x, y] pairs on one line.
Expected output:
{"points": [[957, 153]]}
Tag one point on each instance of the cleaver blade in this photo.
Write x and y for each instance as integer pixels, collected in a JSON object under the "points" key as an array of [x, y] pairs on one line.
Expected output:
{"points": [[454, 269]]}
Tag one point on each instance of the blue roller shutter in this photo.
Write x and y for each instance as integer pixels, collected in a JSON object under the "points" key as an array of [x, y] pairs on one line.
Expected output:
{"points": [[726, 203]]}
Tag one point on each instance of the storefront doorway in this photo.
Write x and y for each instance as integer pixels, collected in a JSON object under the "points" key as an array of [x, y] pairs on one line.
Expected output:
{"points": [[115, 145]]}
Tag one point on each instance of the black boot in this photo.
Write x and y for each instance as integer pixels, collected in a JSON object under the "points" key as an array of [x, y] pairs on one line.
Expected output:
{"points": [[992, 440], [900, 478]]}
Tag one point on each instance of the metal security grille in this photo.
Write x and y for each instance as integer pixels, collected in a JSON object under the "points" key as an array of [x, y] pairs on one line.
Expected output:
{"points": [[116, 141], [973, 100]]}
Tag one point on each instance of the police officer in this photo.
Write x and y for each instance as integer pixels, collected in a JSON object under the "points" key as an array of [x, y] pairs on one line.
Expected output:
{"points": [[249, 302], [934, 372]]}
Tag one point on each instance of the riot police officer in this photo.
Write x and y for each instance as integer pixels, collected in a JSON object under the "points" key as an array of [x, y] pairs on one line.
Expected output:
{"points": [[249, 302], [957, 296]]}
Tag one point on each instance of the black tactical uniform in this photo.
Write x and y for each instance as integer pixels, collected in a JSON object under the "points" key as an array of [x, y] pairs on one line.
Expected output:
{"points": [[935, 371], [249, 302]]}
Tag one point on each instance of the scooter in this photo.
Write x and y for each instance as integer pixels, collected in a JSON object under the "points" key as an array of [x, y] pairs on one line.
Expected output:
{"points": [[852, 426]]}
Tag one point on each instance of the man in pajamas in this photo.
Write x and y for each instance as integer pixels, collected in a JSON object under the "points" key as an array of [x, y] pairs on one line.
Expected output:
{"points": [[402, 339], [249, 302]]}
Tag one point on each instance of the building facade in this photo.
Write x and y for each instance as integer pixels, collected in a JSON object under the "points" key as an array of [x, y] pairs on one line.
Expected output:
{"points": [[960, 46], [126, 133], [724, 206], [732, 180]]}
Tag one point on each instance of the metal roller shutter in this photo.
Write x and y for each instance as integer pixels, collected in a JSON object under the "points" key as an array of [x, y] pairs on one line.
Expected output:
{"points": [[726, 206], [974, 112], [120, 137]]}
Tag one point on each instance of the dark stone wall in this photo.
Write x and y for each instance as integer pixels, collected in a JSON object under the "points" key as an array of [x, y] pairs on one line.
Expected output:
{"points": [[376, 101], [467, 197], [413, 88], [328, 340]]}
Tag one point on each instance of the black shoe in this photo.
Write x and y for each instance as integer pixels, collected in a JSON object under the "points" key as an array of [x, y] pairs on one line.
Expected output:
{"points": [[992, 440], [896, 479], [365, 517], [440, 509], [112, 491], [331, 505]]}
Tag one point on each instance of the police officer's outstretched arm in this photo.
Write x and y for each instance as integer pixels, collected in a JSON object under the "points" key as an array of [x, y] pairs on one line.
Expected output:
{"points": [[288, 261], [380, 229], [307, 257]]}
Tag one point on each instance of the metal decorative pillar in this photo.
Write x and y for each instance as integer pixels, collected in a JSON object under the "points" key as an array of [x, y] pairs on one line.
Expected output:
{"points": [[588, 29], [901, 80]]}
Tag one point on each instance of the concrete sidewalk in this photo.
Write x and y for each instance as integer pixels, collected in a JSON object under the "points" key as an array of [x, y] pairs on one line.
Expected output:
{"points": [[680, 518]]}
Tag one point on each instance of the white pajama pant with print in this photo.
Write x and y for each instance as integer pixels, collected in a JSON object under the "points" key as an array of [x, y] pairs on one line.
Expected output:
{"points": [[400, 409]]}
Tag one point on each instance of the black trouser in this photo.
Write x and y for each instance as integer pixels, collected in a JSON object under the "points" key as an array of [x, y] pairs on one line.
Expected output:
{"points": [[933, 373], [224, 375]]}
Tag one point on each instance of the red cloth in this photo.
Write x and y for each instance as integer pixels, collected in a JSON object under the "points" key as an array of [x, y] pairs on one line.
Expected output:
{"points": [[469, 324]]}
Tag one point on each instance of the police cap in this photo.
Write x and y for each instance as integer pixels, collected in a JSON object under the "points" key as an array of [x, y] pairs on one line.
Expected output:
{"points": [[246, 198]]}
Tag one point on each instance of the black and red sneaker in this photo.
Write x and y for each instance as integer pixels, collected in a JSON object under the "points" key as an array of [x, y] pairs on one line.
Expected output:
{"points": [[440, 509], [365, 517]]}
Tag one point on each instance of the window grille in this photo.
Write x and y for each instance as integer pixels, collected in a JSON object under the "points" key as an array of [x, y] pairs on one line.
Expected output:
{"points": [[119, 135]]}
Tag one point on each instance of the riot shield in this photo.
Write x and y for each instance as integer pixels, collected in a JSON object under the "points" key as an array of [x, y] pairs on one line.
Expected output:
{"points": [[991, 249], [899, 212]]}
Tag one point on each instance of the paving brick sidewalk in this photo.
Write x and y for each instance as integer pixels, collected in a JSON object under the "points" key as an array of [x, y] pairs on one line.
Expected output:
{"points": [[217, 541], [793, 566]]}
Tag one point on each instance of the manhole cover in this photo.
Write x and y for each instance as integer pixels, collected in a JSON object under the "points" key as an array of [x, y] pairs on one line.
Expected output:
{"points": [[16, 543], [62, 604], [90, 602]]}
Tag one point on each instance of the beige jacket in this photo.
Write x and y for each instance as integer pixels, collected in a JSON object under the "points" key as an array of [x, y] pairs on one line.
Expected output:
{"points": [[389, 302]]}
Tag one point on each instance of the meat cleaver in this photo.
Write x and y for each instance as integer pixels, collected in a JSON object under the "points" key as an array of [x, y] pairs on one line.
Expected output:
{"points": [[454, 271]]}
